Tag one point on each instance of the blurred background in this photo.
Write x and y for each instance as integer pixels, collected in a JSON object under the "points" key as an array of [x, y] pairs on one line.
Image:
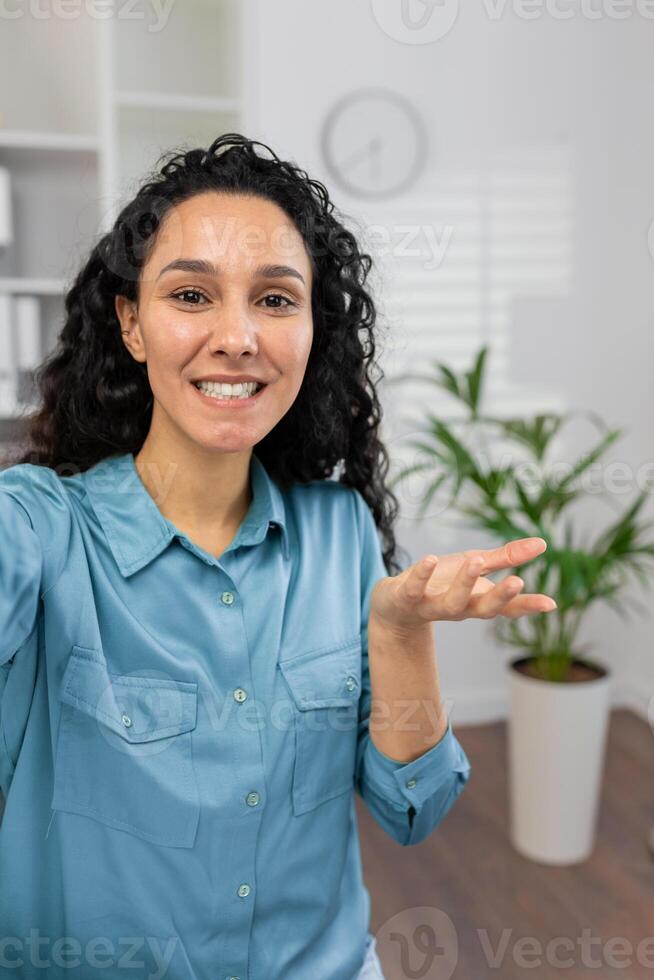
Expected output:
{"points": [[496, 162]]}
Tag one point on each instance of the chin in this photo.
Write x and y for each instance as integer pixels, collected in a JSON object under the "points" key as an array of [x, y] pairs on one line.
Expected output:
{"points": [[224, 442]]}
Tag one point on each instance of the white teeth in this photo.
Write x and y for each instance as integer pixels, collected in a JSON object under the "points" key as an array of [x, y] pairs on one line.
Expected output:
{"points": [[219, 389]]}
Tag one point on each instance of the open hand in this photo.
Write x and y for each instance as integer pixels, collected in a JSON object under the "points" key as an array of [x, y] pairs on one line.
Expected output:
{"points": [[452, 587]]}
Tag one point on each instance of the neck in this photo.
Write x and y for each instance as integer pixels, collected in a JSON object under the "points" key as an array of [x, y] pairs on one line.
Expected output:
{"points": [[193, 488]]}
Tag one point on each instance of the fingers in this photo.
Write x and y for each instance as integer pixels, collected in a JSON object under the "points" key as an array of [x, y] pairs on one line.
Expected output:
{"points": [[512, 553], [504, 600], [493, 602], [457, 598], [528, 604], [416, 581], [459, 602]]}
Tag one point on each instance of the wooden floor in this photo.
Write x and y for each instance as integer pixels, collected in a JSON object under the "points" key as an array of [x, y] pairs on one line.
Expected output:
{"points": [[468, 869]]}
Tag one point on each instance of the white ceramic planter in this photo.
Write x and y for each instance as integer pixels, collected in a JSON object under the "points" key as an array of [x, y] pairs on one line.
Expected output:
{"points": [[556, 748]]}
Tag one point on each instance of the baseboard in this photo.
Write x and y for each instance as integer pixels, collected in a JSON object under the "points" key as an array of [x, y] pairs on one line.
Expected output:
{"points": [[633, 697], [477, 707]]}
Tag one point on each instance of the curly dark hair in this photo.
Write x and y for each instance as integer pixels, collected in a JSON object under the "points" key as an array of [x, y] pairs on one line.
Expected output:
{"points": [[95, 400]]}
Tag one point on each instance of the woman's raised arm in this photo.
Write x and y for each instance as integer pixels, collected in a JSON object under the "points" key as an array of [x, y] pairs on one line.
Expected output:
{"points": [[21, 563], [34, 530]]}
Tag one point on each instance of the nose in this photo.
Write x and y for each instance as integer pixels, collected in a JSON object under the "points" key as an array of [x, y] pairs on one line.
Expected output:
{"points": [[232, 332]]}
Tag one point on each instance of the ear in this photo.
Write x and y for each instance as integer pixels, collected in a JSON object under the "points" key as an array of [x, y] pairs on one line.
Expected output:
{"points": [[126, 311]]}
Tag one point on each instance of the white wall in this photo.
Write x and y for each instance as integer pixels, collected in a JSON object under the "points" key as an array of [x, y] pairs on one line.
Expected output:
{"points": [[545, 120]]}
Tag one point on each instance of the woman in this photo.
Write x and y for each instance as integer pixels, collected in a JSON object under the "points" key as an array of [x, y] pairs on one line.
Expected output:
{"points": [[159, 580]]}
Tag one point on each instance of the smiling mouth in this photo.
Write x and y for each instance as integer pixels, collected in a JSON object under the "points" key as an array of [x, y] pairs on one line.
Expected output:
{"points": [[214, 392]]}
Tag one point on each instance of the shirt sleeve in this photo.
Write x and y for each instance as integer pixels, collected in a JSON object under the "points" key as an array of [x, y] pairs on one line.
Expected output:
{"points": [[21, 562], [408, 800], [34, 533]]}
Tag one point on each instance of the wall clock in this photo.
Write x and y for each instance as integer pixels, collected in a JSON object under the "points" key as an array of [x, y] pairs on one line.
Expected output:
{"points": [[374, 143]]}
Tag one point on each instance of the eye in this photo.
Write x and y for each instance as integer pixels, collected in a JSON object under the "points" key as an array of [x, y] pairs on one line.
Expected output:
{"points": [[279, 296], [188, 292]]}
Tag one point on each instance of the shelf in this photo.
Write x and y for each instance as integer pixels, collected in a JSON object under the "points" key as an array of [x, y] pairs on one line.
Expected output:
{"points": [[177, 103], [30, 286], [64, 142]]}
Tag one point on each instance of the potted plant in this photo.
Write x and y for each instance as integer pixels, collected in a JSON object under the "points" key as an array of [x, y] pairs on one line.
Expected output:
{"points": [[559, 698]]}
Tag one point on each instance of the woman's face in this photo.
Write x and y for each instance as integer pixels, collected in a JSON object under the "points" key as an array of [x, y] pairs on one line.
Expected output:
{"points": [[246, 311]]}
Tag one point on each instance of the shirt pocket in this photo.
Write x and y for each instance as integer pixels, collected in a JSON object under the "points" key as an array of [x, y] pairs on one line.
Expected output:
{"points": [[124, 751], [325, 686]]}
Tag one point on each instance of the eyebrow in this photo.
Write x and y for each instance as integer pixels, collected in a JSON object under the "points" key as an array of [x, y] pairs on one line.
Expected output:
{"points": [[204, 267]]}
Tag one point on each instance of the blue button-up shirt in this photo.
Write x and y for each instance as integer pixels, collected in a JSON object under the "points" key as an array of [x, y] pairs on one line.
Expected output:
{"points": [[181, 734]]}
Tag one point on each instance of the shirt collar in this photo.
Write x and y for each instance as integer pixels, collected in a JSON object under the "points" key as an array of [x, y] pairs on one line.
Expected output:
{"points": [[136, 529]]}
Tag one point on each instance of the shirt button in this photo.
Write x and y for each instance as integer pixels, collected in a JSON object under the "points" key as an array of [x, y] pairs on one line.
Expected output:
{"points": [[410, 783], [227, 598], [127, 721], [243, 890], [252, 799], [240, 694], [351, 683]]}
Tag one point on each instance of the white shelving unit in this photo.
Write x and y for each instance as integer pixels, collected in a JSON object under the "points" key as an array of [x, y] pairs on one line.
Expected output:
{"points": [[80, 130]]}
